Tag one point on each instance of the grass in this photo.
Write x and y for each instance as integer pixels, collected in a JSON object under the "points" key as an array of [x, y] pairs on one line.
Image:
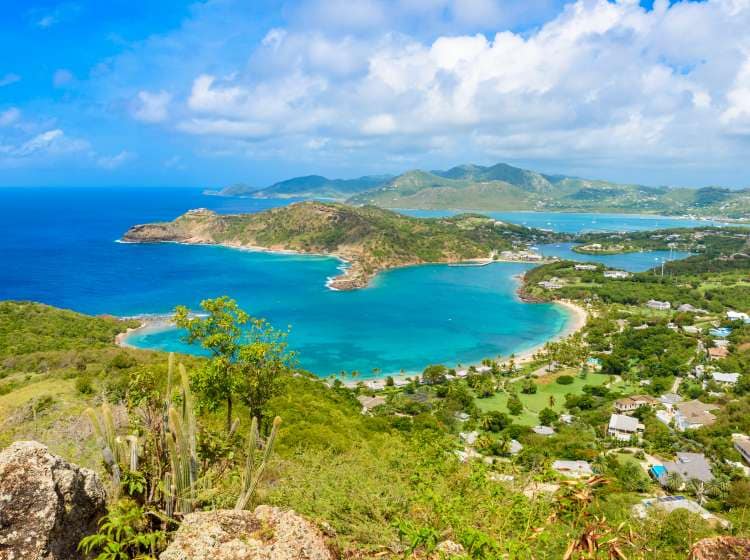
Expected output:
{"points": [[533, 404]]}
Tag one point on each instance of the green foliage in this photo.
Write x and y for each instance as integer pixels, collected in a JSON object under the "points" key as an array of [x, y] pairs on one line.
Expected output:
{"points": [[124, 534], [565, 380], [547, 416], [254, 469]]}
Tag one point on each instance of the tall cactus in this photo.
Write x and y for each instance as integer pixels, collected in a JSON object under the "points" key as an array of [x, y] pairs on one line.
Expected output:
{"points": [[253, 473]]}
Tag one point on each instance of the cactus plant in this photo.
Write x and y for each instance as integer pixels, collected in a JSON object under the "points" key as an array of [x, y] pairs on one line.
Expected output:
{"points": [[253, 472]]}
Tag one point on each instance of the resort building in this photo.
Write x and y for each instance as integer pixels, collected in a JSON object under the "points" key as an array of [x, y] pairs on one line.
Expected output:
{"points": [[543, 430], [687, 308], [634, 402], [623, 427], [660, 305], [727, 379], [369, 403], [616, 274], [693, 415], [742, 445], [552, 284], [671, 503], [573, 469], [585, 267], [718, 353], [688, 466]]}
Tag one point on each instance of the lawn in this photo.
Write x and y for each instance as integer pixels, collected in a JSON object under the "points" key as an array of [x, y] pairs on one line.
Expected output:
{"points": [[546, 388]]}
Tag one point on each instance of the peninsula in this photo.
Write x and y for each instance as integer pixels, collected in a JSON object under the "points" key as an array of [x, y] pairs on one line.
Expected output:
{"points": [[370, 239]]}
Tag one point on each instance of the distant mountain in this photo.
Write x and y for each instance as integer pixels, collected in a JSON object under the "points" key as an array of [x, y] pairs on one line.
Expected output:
{"points": [[504, 187], [311, 186]]}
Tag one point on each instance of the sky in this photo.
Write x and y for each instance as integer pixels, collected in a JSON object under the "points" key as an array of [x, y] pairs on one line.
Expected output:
{"points": [[175, 93]]}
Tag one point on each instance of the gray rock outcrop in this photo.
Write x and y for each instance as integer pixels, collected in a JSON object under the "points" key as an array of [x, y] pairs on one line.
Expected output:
{"points": [[268, 533], [46, 504]]}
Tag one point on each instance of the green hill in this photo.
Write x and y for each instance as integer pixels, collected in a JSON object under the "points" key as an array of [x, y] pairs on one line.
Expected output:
{"points": [[369, 238], [310, 186], [504, 187]]}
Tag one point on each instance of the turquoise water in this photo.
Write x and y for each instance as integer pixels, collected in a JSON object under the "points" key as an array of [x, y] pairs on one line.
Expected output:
{"points": [[408, 318], [58, 246], [579, 222]]}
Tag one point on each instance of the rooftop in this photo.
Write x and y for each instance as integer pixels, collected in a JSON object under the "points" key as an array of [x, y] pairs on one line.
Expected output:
{"points": [[690, 466], [623, 423]]}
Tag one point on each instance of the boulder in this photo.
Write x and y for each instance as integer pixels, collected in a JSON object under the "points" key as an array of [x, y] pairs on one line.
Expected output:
{"points": [[268, 533], [721, 548], [449, 549], [46, 504]]}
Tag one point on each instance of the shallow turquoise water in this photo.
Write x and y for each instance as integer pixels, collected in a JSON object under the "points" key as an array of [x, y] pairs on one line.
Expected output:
{"points": [[58, 246]]}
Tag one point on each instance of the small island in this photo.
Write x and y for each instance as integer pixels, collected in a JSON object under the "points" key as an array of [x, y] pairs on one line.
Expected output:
{"points": [[368, 238]]}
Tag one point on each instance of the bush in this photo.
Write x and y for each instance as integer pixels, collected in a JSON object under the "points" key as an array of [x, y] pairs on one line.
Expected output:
{"points": [[84, 386], [564, 380]]}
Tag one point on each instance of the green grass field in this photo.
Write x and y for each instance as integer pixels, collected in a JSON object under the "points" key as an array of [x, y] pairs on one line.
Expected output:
{"points": [[546, 388]]}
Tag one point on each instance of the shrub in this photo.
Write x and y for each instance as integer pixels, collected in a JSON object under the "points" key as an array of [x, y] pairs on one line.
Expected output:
{"points": [[84, 386], [564, 380]]}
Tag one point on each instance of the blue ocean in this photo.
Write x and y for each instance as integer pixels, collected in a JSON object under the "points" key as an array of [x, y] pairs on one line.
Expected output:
{"points": [[59, 246]]}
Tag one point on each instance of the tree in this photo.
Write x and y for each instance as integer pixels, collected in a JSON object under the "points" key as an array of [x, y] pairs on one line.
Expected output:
{"points": [[262, 363], [547, 416], [515, 406], [495, 421], [528, 387], [432, 375], [248, 357]]}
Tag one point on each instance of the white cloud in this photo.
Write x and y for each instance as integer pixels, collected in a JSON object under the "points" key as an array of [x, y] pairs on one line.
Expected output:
{"points": [[600, 80], [62, 77], [152, 107], [9, 78], [52, 142], [115, 161], [9, 116]]}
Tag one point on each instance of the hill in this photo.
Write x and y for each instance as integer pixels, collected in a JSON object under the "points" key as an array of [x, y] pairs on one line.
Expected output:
{"points": [[371, 239], [504, 187], [310, 186]]}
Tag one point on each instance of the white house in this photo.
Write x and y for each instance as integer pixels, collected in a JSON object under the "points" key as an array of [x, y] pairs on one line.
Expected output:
{"points": [[634, 402], [616, 274], [585, 267], [725, 378], [543, 430], [624, 427], [573, 469], [738, 316], [660, 305]]}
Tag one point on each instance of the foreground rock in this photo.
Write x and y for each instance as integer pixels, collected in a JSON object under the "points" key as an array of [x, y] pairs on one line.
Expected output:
{"points": [[721, 548], [46, 504], [268, 533]]}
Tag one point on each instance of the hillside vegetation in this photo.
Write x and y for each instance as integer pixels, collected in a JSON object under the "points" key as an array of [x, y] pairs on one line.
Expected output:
{"points": [[383, 485], [371, 239]]}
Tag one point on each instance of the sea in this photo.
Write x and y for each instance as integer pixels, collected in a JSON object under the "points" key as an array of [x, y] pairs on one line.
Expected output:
{"points": [[60, 246]]}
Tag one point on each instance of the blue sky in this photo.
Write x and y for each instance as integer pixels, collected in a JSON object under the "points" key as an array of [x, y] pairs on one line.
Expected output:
{"points": [[221, 91]]}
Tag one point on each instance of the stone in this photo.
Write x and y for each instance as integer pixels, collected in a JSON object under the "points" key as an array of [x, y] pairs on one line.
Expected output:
{"points": [[449, 549], [721, 548], [268, 533], [46, 504]]}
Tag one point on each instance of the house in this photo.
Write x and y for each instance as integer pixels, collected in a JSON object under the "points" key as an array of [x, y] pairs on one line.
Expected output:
{"points": [[629, 404], [624, 427], [462, 373], [671, 503], [687, 308], [515, 447], [543, 430], [469, 438], [616, 274], [573, 469], [585, 267], [718, 353], [738, 316], [552, 284], [691, 329], [742, 445], [375, 384], [693, 415], [725, 378], [689, 466], [369, 403], [660, 305], [567, 418], [670, 399]]}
